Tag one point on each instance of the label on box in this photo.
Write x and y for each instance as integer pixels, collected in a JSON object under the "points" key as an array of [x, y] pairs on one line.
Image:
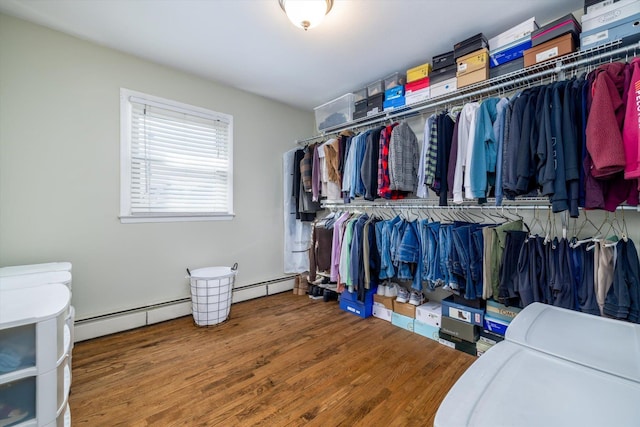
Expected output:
{"points": [[547, 54], [462, 67], [381, 312], [599, 5], [447, 343], [373, 112], [594, 38], [460, 314]]}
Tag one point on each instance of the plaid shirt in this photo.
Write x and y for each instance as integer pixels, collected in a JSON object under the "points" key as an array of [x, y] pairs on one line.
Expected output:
{"points": [[384, 183]]}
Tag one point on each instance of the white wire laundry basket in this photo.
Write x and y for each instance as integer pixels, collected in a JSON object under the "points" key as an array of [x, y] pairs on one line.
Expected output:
{"points": [[211, 293]]}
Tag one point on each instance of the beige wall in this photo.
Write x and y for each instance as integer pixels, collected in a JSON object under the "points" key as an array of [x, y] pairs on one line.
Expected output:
{"points": [[59, 173]]}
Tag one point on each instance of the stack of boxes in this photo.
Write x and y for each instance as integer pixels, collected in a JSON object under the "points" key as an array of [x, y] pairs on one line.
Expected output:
{"points": [[428, 320], [608, 21], [558, 38], [393, 92], [442, 79], [461, 324], [472, 60], [375, 97], [417, 87], [383, 307], [404, 315], [507, 49]]}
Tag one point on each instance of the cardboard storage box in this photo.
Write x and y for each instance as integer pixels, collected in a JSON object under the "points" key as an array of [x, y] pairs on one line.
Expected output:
{"points": [[429, 313], [506, 68], [401, 321], [552, 49], [404, 308], [417, 85], [490, 337], [497, 326], [461, 312], [457, 343], [626, 30], [391, 104], [381, 312], [591, 5], [469, 45], [443, 60], [565, 25], [426, 330], [513, 34], [463, 330], [442, 74], [387, 302], [335, 113], [393, 93], [419, 72], [510, 52], [477, 60], [473, 77], [417, 96], [501, 311], [374, 104], [609, 15], [444, 88]]}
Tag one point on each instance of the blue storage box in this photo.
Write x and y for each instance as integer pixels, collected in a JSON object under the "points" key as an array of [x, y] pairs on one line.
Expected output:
{"points": [[354, 307], [497, 326], [353, 296], [462, 312], [393, 93], [509, 52], [426, 330], [394, 103], [401, 321], [619, 30]]}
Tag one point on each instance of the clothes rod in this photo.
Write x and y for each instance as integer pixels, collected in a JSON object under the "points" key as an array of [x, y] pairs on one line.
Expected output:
{"points": [[485, 87], [454, 207]]}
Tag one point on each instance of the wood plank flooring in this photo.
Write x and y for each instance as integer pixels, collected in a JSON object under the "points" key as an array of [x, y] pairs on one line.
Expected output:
{"points": [[281, 360]]}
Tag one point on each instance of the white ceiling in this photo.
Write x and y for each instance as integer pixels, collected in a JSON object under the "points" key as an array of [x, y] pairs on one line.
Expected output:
{"points": [[251, 45]]}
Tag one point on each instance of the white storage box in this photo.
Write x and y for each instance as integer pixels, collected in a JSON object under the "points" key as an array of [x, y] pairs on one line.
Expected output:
{"points": [[211, 293], [335, 113]]}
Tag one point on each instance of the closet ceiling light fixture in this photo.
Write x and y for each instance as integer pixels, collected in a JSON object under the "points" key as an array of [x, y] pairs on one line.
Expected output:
{"points": [[306, 13]]}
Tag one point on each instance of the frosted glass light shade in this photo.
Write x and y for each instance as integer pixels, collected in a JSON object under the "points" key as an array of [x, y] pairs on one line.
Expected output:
{"points": [[306, 13]]}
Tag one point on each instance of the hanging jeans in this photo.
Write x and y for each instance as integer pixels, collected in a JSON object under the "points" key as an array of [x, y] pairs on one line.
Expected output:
{"points": [[514, 240], [444, 248], [461, 239], [583, 267], [434, 275]]}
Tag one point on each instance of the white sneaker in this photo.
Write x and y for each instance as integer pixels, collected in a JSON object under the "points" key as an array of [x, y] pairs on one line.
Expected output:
{"points": [[403, 294], [416, 298], [390, 290], [382, 290]]}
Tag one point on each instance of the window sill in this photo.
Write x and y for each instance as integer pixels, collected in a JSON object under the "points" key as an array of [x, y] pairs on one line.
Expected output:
{"points": [[174, 218]]}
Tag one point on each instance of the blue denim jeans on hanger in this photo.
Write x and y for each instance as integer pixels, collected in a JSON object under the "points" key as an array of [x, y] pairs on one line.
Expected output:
{"points": [[461, 237], [476, 245], [444, 248], [423, 229], [434, 265]]}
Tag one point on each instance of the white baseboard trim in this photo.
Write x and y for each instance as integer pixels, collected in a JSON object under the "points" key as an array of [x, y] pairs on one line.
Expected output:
{"points": [[118, 322]]}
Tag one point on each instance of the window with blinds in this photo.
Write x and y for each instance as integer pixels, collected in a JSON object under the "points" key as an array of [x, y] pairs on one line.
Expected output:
{"points": [[176, 161]]}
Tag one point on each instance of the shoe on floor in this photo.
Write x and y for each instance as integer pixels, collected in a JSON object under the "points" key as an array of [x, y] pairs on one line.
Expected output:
{"points": [[416, 298], [403, 295]]}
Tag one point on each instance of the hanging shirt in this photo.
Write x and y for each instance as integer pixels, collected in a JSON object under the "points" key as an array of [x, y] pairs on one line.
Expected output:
{"points": [[466, 130]]}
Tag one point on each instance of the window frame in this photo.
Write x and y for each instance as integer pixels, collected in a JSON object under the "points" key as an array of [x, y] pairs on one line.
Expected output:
{"points": [[126, 110]]}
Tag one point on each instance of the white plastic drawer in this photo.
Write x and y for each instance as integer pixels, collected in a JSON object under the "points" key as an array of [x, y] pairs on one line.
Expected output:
{"points": [[21, 396], [17, 348], [64, 419]]}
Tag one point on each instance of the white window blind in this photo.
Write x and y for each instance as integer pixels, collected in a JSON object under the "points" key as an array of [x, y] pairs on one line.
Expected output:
{"points": [[178, 160]]}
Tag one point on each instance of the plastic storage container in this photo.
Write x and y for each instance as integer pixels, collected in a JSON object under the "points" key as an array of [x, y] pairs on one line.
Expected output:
{"points": [[360, 94], [335, 113], [211, 292], [375, 88]]}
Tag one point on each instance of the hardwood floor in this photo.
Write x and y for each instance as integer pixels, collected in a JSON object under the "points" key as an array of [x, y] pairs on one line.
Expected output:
{"points": [[282, 360]]}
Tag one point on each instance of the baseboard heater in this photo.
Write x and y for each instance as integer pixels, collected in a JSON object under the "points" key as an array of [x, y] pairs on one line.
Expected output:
{"points": [[106, 324]]}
